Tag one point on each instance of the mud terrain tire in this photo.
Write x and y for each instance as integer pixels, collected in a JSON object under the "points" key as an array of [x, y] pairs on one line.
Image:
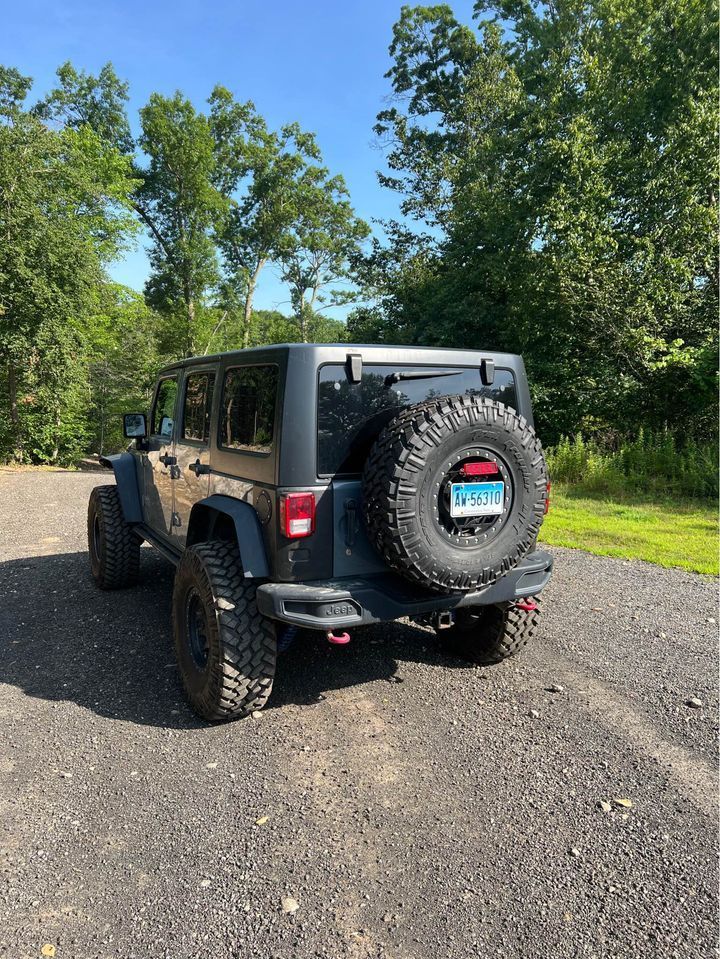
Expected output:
{"points": [[407, 484], [113, 546], [226, 650], [486, 635]]}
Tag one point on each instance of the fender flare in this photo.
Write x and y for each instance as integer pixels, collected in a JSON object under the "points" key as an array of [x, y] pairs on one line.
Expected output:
{"points": [[247, 530], [123, 466]]}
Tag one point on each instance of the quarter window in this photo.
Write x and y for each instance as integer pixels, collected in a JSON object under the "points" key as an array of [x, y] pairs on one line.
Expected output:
{"points": [[198, 406], [247, 413], [163, 414]]}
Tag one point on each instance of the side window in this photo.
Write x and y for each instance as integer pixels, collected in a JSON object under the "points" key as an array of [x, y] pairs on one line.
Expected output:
{"points": [[163, 414], [198, 406], [247, 411]]}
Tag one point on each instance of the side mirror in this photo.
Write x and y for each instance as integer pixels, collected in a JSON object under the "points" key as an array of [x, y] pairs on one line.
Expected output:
{"points": [[134, 426]]}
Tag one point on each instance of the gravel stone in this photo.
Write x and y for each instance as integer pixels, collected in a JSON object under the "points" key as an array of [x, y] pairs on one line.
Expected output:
{"points": [[377, 805]]}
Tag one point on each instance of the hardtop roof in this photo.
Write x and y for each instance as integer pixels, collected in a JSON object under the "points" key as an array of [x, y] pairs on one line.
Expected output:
{"points": [[342, 349]]}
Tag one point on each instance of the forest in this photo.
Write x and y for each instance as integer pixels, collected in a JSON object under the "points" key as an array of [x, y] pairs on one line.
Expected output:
{"points": [[556, 170]]}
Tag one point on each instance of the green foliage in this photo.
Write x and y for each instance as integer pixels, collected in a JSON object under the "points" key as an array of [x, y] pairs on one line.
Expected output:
{"points": [[64, 213], [82, 100], [563, 161], [269, 326], [181, 206], [122, 359], [262, 173], [221, 196], [317, 251], [650, 464]]}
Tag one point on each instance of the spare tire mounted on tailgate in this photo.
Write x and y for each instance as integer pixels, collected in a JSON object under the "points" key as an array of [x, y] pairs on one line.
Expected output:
{"points": [[454, 492]]}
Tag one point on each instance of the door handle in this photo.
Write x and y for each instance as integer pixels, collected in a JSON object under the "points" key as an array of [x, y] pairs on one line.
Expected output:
{"points": [[198, 468], [167, 460]]}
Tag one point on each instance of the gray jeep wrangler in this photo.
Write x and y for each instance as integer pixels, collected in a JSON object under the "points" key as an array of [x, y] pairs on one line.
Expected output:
{"points": [[326, 487]]}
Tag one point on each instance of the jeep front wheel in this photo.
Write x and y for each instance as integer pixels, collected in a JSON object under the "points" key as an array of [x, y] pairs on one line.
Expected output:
{"points": [[489, 634], [113, 545], [225, 649]]}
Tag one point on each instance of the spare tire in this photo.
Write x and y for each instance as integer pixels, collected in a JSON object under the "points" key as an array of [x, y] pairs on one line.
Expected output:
{"points": [[418, 496]]}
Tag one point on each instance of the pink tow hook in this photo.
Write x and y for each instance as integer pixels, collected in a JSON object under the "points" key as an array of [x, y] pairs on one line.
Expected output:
{"points": [[337, 639], [527, 606]]}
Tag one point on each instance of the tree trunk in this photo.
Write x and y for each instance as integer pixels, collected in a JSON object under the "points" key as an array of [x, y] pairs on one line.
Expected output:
{"points": [[190, 308], [12, 399], [252, 286]]}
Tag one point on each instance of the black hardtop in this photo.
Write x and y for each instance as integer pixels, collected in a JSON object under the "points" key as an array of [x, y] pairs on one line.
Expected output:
{"points": [[318, 353]]}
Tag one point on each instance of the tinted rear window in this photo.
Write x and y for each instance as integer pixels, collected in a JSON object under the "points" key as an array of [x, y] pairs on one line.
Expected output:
{"points": [[350, 415]]}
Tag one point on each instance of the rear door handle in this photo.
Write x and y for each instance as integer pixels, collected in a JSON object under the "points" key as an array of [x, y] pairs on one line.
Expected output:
{"points": [[198, 468], [168, 460]]}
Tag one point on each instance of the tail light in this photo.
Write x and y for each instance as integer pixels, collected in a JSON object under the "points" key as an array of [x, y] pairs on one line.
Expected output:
{"points": [[297, 514], [547, 496], [479, 469]]}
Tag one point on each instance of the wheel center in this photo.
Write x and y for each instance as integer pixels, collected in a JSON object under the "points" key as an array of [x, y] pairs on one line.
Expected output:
{"points": [[196, 627], [473, 496]]}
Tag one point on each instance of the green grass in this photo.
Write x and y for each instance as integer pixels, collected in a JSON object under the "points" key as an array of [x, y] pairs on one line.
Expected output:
{"points": [[668, 533]]}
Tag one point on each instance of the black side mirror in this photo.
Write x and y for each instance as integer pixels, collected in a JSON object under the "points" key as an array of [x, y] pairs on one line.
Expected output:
{"points": [[134, 426]]}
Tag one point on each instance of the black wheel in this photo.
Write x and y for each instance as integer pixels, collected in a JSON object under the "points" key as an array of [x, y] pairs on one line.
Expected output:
{"points": [[225, 649], [113, 545], [423, 509], [488, 634]]}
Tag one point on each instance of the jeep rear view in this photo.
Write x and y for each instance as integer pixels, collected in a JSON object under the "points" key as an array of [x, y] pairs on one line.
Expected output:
{"points": [[328, 487]]}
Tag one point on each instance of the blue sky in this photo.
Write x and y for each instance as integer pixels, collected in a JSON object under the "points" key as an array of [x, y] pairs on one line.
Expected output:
{"points": [[320, 62]]}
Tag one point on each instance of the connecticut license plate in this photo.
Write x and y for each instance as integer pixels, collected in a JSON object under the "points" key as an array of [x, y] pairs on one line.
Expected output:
{"points": [[476, 499]]}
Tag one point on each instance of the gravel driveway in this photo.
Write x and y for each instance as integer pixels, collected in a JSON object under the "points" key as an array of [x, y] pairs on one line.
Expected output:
{"points": [[414, 807]]}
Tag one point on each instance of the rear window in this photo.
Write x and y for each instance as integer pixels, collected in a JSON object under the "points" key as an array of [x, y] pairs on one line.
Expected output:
{"points": [[350, 415], [198, 404]]}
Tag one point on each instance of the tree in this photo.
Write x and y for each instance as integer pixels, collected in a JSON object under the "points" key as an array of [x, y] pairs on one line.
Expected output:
{"points": [[122, 359], [181, 207], [319, 249], [563, 159], [261, 171], [64, 214], [83, 100], [177, 199]]}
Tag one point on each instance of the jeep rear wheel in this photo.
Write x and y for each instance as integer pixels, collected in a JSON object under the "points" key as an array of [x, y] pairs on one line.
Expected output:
{"points": [[433, 453], [225, 649], [113, 545], [489, 634]]}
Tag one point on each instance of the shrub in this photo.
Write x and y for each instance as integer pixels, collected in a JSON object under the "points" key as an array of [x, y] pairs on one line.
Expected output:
{"points": [[653, 463]]}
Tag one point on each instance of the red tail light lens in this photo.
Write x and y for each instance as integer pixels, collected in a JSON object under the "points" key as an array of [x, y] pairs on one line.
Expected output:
{"points": [[297, 514], [479, 469], [547, 496]]}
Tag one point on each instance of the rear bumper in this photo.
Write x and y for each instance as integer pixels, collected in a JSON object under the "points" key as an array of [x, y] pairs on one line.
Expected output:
{"points": [[333, 603]]}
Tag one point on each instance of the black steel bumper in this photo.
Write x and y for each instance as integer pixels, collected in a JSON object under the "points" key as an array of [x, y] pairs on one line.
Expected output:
{"points": [[333, 603]]}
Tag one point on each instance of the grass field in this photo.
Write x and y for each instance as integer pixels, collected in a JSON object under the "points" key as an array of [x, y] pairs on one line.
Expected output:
{"points": [[669, 533]]}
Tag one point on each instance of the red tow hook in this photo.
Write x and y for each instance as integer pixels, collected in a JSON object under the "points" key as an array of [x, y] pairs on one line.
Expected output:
{"points": [[337, 639], [528, 606]]}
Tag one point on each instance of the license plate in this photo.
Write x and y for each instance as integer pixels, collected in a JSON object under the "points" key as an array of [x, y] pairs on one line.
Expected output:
{"points": [[476, 499]]}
